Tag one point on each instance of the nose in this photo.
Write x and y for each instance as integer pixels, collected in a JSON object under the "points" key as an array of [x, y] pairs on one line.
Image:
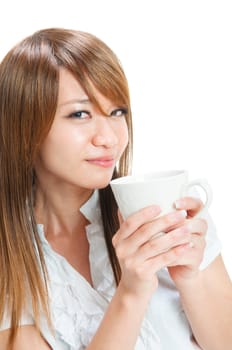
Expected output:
{"points": [[105, 134]]}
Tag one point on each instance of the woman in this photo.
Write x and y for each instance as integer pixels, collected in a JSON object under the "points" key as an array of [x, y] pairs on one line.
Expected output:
{"points": [[74, 275]]}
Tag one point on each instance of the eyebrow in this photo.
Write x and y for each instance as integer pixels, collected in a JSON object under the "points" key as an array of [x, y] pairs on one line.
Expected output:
{"points": [[84, 101]]}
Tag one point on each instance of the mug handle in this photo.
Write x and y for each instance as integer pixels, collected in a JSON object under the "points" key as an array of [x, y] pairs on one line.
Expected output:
{"points": [[205, 186]]}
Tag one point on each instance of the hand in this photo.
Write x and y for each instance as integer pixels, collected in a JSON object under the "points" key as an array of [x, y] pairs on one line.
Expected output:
{"points": [[188, 265], [141, 256]]}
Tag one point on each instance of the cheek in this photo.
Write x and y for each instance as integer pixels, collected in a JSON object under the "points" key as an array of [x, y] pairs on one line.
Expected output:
{"points": [[123, 136], [64, 140], [60, 147]]}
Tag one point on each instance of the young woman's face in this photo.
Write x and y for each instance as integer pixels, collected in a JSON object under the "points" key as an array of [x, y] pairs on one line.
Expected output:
{"points": [[83, 146]]}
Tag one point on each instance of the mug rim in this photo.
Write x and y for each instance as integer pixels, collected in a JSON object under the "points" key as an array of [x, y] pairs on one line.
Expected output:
{"points": [[151, 175]]}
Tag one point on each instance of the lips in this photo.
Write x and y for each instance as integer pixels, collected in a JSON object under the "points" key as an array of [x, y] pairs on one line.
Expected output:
{"points": [[105, 162]]}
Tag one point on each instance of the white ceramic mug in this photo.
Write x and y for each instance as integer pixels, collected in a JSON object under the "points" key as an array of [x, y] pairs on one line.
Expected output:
{"points": [[163, 188]]}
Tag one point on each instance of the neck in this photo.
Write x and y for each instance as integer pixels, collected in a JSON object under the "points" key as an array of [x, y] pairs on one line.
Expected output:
{"points": [[59, 209]]}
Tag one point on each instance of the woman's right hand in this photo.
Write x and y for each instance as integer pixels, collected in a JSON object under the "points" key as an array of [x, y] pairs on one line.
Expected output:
{"points": [[141, 254]]}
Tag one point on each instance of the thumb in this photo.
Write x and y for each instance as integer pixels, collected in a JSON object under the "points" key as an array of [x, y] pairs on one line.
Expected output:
{"points": [[120, 218]]}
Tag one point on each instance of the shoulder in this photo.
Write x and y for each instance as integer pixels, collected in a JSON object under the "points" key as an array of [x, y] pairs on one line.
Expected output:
{"points": [[28, 337]]}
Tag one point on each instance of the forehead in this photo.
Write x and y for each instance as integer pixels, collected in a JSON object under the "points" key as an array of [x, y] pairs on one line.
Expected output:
{"points": [[71, 90], [69, 87]]}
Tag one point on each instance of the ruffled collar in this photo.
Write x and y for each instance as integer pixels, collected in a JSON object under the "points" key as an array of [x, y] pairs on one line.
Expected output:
{"points": [[91, 208]]}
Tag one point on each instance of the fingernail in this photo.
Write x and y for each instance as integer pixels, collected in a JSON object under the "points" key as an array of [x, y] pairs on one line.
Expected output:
{"points": [[176, 216], [177, 204]]}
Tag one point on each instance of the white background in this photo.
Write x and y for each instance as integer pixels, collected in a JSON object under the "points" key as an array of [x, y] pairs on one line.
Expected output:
{"points": [[178, 59]]}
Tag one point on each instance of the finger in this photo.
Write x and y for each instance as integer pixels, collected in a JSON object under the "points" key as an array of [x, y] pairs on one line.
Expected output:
{"points": [[191, 235], [134, 221], [162, 224], [193, 256], [198, 226], [169, 258], [192, 204], [197, 243], [152, 229], [152, 247], [156, 246], [120, 218]]}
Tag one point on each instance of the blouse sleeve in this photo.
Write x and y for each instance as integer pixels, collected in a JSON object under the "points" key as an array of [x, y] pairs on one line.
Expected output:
{"points": [[213, 243]]}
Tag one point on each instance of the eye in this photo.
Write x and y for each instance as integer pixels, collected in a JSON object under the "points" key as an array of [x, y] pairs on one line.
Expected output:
{"points": [[79, 115], [119, 112]]}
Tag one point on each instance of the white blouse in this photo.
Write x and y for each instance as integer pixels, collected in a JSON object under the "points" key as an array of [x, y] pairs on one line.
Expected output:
{"points": [[77, 308]]}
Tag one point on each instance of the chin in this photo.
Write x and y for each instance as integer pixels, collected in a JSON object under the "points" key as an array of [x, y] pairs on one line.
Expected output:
{"points": [[100, 184], [101, 187], [101, 181]]}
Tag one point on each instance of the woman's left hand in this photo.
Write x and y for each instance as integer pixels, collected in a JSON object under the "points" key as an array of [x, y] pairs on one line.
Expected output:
{"points": [[188, 265]]}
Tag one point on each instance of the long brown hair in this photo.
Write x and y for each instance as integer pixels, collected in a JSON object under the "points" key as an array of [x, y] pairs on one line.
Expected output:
{"points": [[29, 79]]}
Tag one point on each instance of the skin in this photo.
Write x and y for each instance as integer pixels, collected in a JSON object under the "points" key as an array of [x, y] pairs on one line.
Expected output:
{"points": [[66, 159], [81, 142]]}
